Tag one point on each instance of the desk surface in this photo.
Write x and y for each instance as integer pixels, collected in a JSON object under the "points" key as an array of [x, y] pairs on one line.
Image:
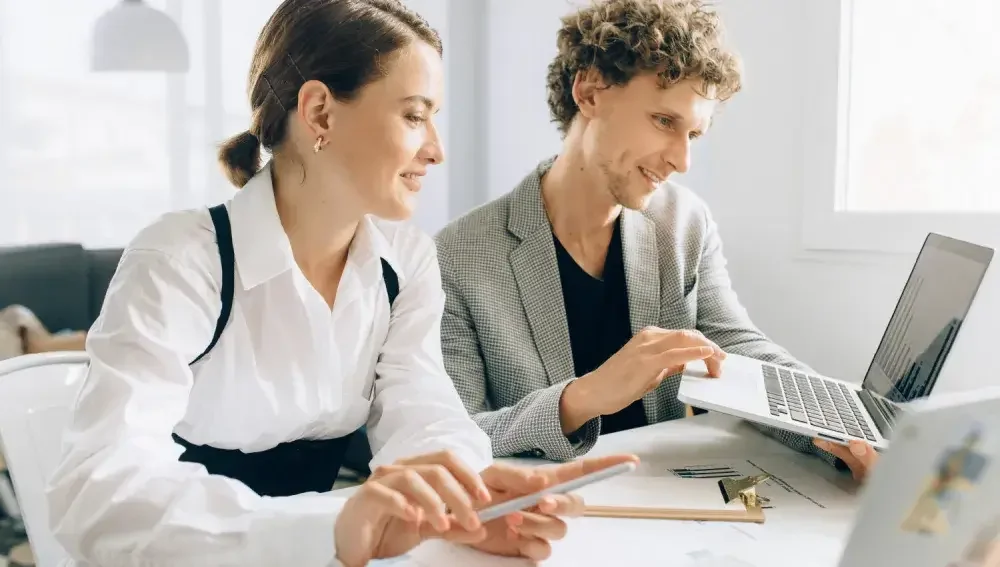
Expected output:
{"points": [[803, 533]]}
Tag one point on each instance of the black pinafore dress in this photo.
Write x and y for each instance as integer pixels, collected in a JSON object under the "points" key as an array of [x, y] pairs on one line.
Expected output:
{"points": [[290, 468]]}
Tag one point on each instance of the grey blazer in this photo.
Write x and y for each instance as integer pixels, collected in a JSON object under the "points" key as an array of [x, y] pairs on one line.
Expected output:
{"points": [[504, 333]]}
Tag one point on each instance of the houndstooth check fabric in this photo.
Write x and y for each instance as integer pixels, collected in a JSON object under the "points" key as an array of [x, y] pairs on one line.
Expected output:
{"points": [[504, 333]]}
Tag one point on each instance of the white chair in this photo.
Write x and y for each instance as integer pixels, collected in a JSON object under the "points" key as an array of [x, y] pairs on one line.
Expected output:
{"points": [[37, 392]]}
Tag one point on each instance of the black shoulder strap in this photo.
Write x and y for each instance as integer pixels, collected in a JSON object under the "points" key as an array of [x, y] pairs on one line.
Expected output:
{"points": [[224, 238], [391, 282]]}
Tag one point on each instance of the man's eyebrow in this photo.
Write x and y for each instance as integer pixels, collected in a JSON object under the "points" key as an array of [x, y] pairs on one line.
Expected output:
{"points": [[674, 115]]}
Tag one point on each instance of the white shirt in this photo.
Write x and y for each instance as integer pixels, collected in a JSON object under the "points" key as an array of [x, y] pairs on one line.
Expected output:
{"points": [[286, 368]]}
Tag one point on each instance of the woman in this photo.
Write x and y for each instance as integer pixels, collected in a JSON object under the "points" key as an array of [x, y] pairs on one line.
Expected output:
{"points": [[238, 349]]}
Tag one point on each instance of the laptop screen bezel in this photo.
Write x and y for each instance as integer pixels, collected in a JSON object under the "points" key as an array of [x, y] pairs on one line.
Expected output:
{"points": [[975, 252]]}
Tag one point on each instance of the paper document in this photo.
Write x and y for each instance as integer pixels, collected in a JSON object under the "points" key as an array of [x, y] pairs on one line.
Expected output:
{"points": [[613, 542], [791, 486], [401, 561], [670, 492], [677, 544], [707, 558], [438, 553]]}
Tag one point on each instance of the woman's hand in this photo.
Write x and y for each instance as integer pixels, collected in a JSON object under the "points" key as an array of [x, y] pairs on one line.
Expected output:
{"points": [[403, 504], [528, 533], [436, 496]]}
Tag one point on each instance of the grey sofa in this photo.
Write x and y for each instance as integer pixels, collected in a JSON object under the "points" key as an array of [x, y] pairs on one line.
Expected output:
{"points": [[63, 284]]}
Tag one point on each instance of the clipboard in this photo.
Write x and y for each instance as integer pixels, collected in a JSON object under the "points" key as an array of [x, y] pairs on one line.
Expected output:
{"points": [[738, 498]]}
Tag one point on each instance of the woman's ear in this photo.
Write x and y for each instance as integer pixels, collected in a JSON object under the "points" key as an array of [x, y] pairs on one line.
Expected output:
{"points": [[586, 85], [316, 108]]}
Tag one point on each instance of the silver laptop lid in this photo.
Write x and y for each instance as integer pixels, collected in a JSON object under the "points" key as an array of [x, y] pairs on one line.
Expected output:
{"points": [[936, 299]]}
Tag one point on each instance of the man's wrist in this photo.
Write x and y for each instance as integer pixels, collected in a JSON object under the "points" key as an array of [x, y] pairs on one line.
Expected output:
{"points": [[574, 411]]}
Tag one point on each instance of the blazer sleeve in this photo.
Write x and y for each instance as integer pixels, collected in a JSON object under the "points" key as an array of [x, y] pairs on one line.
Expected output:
{"points": [[530, 427], [723, 320]]}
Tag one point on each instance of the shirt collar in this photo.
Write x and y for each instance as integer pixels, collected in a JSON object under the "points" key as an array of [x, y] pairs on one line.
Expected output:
{"points": [[263, 251], [259, 241], [369, 247]]}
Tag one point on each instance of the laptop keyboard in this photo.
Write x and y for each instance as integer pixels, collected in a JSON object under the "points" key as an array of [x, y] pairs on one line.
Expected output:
{"points": [[817, 401]]}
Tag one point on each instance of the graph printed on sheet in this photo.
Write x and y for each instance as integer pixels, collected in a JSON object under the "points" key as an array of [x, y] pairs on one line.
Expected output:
{"points": [[789, 485]]}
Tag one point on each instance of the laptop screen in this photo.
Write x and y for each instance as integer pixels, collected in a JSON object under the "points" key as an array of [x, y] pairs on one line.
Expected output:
{"points": [[934, 303]]}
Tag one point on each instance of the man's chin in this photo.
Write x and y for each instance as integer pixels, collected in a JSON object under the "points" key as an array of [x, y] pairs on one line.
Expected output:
{"points": [[635, 202]]}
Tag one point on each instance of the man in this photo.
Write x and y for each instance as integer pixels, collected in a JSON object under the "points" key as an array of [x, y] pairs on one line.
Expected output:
{"points": [[569, 297]]}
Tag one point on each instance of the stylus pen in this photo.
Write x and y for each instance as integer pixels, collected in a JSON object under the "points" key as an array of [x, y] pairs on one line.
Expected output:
{"points": [[511, 506]]}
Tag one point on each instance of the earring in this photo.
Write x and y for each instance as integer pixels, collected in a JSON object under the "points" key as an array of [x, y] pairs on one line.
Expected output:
{"points": [[318, 145]]}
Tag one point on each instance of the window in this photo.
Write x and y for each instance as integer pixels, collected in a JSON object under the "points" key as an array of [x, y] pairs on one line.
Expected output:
{"points": [[93, 157], [902, 123]]}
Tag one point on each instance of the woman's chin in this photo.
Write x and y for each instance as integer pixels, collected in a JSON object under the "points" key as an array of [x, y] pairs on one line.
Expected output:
{"points": [[397, 210]]}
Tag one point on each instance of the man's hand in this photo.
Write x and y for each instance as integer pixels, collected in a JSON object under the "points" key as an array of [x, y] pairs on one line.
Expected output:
{"points": [[529, 533], [859, 456], [635, 370]]}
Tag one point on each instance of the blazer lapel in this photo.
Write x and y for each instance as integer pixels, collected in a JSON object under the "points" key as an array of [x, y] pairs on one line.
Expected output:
{"points": [[536, 271], [642, 269], [642, 277]]}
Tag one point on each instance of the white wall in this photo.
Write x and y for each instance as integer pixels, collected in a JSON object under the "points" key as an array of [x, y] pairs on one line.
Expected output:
{"points": [[520, 133], [459, 184], [829, 309], [430, 215]]}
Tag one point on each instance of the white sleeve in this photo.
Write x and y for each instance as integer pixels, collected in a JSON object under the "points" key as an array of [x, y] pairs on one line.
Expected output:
{"points": [[119, 495], [416, 409]]}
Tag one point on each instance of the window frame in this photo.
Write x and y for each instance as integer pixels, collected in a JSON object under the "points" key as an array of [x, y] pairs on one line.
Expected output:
{"points": [[826, 106]]}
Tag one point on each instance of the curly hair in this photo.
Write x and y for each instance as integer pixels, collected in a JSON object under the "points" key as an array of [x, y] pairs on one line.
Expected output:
{"points": [[677, 39]]}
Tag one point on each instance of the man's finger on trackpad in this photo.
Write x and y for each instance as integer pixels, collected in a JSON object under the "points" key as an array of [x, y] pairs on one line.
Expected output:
{"points": [[714, 366]]}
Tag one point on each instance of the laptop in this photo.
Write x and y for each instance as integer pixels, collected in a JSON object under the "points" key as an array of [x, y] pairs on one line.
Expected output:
{"points": [[938, 294], [932, 500]]}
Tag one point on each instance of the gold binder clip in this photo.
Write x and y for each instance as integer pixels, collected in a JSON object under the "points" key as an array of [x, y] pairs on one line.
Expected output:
{"points": [[745, 489]]}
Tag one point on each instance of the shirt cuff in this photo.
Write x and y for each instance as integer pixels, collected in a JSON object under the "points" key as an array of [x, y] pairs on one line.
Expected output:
{"points": [[296, 530]]}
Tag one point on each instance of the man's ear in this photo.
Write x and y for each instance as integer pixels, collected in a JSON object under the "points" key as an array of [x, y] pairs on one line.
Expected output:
{"points": [[316, 107], [586, 86]]}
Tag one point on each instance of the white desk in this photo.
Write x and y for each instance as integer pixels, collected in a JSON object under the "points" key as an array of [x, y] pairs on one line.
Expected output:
{"points": [[800, 537]]}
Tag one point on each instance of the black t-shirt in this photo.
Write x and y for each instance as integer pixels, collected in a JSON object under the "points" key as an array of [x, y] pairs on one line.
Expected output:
{"points": [[598, 320]]}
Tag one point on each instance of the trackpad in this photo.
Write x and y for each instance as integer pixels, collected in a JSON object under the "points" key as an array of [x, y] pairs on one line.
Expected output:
{"points": [[697, 369], [739, 387]]}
